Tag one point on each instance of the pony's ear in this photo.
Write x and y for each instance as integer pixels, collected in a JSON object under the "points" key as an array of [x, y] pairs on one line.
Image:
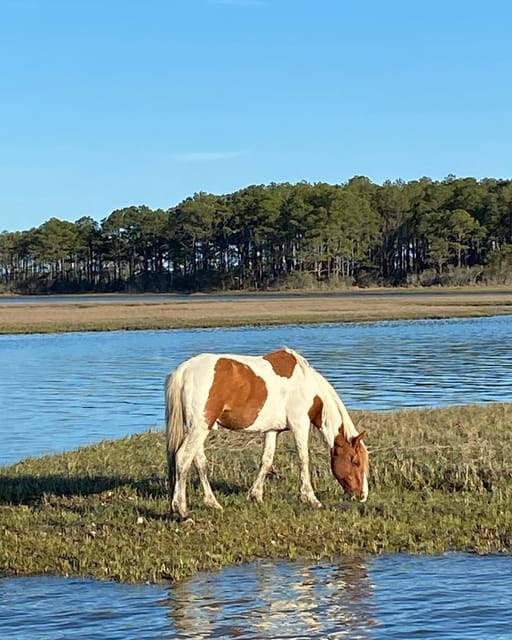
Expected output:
{"points": [[358, 438]]}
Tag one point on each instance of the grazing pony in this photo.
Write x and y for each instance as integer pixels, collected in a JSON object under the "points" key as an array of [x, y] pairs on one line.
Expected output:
{"points": [[269, 394]]}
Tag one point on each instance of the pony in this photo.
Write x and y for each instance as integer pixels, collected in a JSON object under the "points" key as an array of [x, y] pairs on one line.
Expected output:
{"points": [[271, 393]]}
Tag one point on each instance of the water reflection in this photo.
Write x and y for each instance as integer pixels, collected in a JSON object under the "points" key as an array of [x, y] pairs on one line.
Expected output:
{"points": [[275, 600], [448, 597]]}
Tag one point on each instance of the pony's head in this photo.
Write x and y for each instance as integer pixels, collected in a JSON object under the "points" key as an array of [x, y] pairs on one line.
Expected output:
{"points": [[350, 465]]}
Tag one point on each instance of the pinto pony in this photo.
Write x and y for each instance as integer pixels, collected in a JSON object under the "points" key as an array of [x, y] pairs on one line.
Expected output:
{"points": [[269, 394]]}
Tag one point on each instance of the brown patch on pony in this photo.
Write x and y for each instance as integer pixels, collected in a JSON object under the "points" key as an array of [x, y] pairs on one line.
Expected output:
{"points": [[315, 412], [349, 462], [283, 362], [236, 396]]}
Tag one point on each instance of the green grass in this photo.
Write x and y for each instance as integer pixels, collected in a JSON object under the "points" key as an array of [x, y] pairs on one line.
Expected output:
{"points": [[441, 480]]}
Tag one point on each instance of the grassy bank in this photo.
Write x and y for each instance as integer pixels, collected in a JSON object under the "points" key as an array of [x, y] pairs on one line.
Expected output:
{"points": [[266, 309], [441, 479]]}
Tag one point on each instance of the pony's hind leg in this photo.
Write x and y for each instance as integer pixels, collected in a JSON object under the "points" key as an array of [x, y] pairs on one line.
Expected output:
{"points": [[200, 463], [184, 456], [269, 448]]}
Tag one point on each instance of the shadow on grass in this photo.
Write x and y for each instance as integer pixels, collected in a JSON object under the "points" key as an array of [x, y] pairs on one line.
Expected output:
{"points": [[223, 488], [29, 489]]}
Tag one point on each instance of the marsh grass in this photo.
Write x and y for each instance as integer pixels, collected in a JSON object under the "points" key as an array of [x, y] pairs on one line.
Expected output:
{"points": [[266, 310], [440, 480]]}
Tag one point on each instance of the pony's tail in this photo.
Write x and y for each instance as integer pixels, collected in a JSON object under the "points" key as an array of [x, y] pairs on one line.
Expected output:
{"points": [[174, 429]]}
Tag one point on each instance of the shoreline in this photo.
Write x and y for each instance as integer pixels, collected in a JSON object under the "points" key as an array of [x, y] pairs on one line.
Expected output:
{"points": [[102, 510], [265, 309]]}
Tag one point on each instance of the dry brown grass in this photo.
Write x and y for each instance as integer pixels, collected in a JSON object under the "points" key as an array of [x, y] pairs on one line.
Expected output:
{"points": [[266, 310]]}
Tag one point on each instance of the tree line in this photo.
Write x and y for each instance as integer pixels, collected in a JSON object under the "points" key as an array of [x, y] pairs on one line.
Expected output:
{"points": [[281, 235]]}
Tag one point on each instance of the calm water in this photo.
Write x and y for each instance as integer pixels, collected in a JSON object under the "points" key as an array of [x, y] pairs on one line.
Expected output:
{"points": [[97, 298], [72, 389], [446, 597]]}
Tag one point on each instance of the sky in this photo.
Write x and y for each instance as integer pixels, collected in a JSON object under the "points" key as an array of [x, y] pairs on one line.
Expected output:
{"points": [[110, 103]]}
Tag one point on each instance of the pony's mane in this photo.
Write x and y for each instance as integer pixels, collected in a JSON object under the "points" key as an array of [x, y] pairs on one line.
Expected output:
{"points": [[348, 426], [301, 360], [323, 382]]}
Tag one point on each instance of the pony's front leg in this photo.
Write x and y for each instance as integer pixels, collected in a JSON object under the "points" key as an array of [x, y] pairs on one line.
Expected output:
{"points": [[269, 448], [184, 456], [301, 435]]}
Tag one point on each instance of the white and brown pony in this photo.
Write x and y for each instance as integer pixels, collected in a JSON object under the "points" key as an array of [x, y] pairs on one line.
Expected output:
{"points": [[269, 394]]}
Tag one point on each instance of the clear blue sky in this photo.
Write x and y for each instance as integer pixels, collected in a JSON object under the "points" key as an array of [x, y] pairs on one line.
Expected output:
{"points": [[108, 103]]}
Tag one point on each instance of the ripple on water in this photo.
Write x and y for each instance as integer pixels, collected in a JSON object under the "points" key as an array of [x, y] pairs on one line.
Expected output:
{"points": [[67, 390], [452, 596]]}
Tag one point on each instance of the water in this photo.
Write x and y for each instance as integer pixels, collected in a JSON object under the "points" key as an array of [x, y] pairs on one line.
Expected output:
{"points": [[452, 597], [71, 389], [95, 298], [67, 390]]}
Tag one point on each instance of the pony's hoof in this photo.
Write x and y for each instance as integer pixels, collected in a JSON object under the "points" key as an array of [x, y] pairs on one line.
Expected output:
{"points": [[181, 518], [255, 497], [213, 504], [312, 501]]}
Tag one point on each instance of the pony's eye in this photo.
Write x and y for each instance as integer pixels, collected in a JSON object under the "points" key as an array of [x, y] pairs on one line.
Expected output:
{"points": [[355, 462]]}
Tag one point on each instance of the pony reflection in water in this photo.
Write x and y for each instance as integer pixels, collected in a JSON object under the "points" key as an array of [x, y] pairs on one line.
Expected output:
{"points": [[272, 393]]}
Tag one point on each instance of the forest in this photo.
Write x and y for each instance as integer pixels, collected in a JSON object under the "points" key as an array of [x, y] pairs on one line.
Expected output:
{"points": [[456, 231]]}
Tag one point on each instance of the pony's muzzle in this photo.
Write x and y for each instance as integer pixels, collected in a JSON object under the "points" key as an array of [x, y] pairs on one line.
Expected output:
{"points": [[364, 492]]}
